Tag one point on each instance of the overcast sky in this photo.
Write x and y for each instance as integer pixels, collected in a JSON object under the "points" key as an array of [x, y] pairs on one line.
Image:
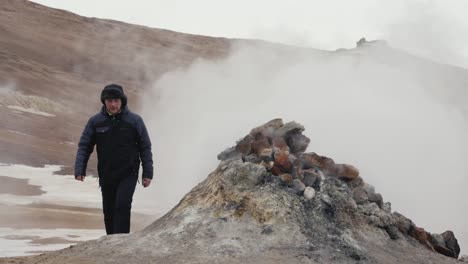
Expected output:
{"points": [[436, 29]]}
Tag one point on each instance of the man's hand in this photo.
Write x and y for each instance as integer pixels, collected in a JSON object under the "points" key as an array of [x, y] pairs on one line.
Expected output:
{"points": [[79, 178], [146, 182]]}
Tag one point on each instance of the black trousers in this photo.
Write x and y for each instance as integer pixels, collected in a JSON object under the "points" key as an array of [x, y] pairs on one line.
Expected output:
{"points": [[117, 204]]}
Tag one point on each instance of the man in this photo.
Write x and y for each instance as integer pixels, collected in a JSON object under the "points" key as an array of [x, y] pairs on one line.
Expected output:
{"points": [[121, 141]]}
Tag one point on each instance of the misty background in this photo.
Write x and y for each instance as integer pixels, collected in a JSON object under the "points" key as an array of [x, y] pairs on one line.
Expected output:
{"points": [[388, 115]]}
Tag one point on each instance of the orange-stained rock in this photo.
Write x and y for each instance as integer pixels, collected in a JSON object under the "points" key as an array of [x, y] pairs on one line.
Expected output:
{"points": [[345, 171], [404, 224], [311, 160], [421, 235], [280, 144], [286, 178], [260, 147], [276, 170], [282, 161]]}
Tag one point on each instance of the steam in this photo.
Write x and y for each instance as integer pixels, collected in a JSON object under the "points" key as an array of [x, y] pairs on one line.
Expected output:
{"points": [[13, 99], [362, 107], [433, 30], [7, 87]]}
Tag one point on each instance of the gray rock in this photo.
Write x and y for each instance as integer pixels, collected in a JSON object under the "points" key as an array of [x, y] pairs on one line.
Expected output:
{"points": [[438, 243], [298, 143], [451, 243], [294, 160], [377, 216], [230, 165], [369, 188], [392, 231], [372, 195], [357, 182], [403, 223], [267, 128], [310, 180], [360, 195], [267, 230], [253, 158], [241, 149], [361, 42], [309, 193], [289, 128], [326, 199], [246, 175], [229, 153], [387, 207], [310, 177], [375, 198], [437, 239], [243, 145], [298, 186], [296, 170], [321, 179]]}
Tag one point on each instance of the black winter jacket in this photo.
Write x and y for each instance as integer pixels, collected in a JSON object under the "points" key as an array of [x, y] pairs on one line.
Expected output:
{"points": [[121, 141]]}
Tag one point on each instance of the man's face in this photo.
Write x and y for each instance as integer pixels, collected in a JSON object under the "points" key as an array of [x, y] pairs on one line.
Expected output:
{"points": [[113, 105]]}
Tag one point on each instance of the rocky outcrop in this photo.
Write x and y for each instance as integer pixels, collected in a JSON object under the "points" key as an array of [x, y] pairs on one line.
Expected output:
{"points": [[270, 201], [280, 149], [363, 41]]}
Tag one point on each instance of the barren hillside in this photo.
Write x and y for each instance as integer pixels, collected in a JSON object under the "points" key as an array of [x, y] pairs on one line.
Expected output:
{"points": [[53, 65]]}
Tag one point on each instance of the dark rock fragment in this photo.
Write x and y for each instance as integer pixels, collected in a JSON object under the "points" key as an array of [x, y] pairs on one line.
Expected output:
{"points": [[298, 143], [360, 195], [403, 223], [298, 186], [451, 243], [392, 231]]}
